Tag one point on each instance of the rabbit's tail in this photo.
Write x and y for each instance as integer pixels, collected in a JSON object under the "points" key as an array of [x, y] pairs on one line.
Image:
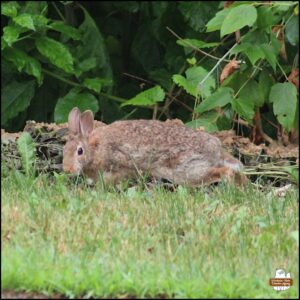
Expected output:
{"points": [[232, 169], [231, 162]]}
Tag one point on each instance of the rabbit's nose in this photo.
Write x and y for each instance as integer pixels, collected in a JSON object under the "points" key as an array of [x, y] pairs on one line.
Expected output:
{"points": [[69, 169]]}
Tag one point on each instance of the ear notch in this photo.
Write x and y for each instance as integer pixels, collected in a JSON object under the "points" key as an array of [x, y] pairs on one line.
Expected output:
{"points": [[86, 122], [73, 120]]}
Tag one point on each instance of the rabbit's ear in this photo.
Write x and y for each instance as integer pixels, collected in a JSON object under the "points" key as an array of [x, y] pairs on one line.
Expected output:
{"points": [[86, 122], [73, 120]]}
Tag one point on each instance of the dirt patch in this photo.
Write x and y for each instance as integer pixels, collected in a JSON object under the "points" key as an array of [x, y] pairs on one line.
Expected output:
{"points": [[232, 141]]}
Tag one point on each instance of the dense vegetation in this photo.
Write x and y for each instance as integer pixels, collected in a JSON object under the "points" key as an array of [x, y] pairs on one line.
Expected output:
{"points": [[154, 60], [214, 64]]}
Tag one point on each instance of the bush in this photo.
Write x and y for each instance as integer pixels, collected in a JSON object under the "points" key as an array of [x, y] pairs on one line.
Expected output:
{"points": [[154, 59]]}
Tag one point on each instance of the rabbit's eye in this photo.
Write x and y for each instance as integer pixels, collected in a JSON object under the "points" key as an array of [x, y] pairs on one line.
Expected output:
{"points": [[79, 151]]}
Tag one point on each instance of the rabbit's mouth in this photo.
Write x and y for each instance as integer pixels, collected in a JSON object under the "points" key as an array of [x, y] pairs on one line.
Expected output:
{"points": [[74, 169]]}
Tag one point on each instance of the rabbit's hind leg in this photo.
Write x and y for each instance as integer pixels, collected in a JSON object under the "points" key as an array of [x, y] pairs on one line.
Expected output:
{"points": [[217, 174], [200, 175]]}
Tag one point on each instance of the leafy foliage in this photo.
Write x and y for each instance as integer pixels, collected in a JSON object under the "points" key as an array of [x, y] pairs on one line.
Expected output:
{"points": [[208, 121], [237, 18], [56, 52], [284, 97], [190, 83], [15, 97], [223, 96], [82, 100], [147, 98], [100, 55], [26, 148]]}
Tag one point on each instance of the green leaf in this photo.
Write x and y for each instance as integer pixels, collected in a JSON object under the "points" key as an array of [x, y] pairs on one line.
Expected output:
{"points": [[197, 13], [240, 48], [256, 37], [24, 20], [93, 84], [254, 53], [292, 31], [190, 83], [17, 57], [33, 67], [265, 83], [237, 79], [22, 61], [145, 49], [40, 21], [35, 7], [11, 33], [270, 55], [68, 30], [182, 82], [294, 173], [237, 18], [275, 44], [56, 52], [208, 121], [223, 96], [224, 121], [106, 82], [88, 64], [162, 77], [284, 99], [266, 17], [192, 61], [195, 43], [3, 44], [283, 5], [244, 107], [216, 22], [253, 93], [26, 148], [15, 97], [147, 98], [93, 46], [85, 65], [9, 8], [74, 98]]}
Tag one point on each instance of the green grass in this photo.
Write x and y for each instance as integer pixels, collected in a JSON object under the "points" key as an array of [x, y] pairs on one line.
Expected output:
{"points": [[75, 240]]}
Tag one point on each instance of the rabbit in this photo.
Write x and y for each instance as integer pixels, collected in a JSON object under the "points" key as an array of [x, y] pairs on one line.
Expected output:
{"points": [[163, 150]]}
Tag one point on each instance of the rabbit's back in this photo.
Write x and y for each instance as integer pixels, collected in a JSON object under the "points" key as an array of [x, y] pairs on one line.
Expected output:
{"points": [[155, 134], [150, 135], [158, 147]]}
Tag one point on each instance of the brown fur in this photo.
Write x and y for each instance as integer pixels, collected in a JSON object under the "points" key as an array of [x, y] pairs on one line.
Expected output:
{"points": [[125, 149]]}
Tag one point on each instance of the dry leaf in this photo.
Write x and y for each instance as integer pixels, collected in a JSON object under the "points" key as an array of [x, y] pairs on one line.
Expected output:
{"points": [[294, 78], [279, 32], [229, 69], [228, 3]]}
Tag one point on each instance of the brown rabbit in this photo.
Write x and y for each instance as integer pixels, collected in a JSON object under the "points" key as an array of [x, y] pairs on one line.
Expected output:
{"points": [[125, 149]]}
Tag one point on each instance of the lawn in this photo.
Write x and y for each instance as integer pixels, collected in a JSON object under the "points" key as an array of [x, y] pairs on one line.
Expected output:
{"points": [[80, 241]]}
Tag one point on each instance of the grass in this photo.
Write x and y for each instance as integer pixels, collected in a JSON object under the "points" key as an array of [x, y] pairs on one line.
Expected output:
{"points": [[221, 242]]}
